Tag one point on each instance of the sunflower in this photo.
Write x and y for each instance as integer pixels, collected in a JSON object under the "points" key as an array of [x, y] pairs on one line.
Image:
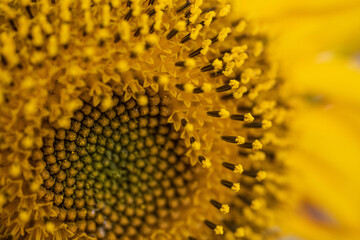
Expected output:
{"points": [[143, 119]]}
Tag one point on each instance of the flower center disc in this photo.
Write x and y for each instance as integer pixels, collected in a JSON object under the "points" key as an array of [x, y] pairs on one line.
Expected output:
{"points": [[117, 172]]}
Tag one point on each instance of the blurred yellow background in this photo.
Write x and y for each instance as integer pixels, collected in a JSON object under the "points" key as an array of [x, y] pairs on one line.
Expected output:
{"points": [[318, 44]]}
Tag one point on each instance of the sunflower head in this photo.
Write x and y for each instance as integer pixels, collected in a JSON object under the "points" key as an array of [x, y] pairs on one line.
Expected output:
{"points": [[137, 119]]}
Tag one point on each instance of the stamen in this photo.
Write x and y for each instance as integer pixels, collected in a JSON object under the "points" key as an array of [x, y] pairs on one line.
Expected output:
{"points": [[235, 168], [216, 74], [256, 145], [218, 64], [210, 17], [171, 34], [223, 88], [180, 64], [28, 9], [188, 87], [180, 86], [128, 15], [137, 32], [218, 229], [13, 24], [151, 12], [188, 63], [187, 4], [215, 39], [224, 208], [183, 122], [258, 175], [195, 53], [195, 145], [207, 68], [243, 117], [233, 186], [234, 139], [205, 163], [265, 124], [198, 90], [186, 38], [223, 113]]}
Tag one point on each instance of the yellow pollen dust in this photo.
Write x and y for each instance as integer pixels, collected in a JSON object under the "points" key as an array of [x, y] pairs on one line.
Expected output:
{"points": [[217, 64], [15, 170], [189, 87], [234, 84], [241, 26], [142, 100], [247, 75], [225, 208], [256, 145], [50, 227], [163, 80], [209, 17], [248, 117], [34, 186], [224, 113], [189, 127], [205, 46], [261, 175], [219, 230], [196, 146], [152, 39], [240, 232], [239, 49], [27, 142], [24, 216], [240, 140], [224, 33], [266, 124], [238, 93], [122, 66], [206, 163], [229, 69], [195, 31], [238, 169], [225, 11], [180, 26], [228, 57], [235, 187], [190, 63], [106, 103], [207, 87]]}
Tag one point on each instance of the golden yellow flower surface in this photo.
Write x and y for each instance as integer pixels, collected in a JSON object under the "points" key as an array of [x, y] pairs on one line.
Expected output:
{"points": [[142, 119], [319, 43]]}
